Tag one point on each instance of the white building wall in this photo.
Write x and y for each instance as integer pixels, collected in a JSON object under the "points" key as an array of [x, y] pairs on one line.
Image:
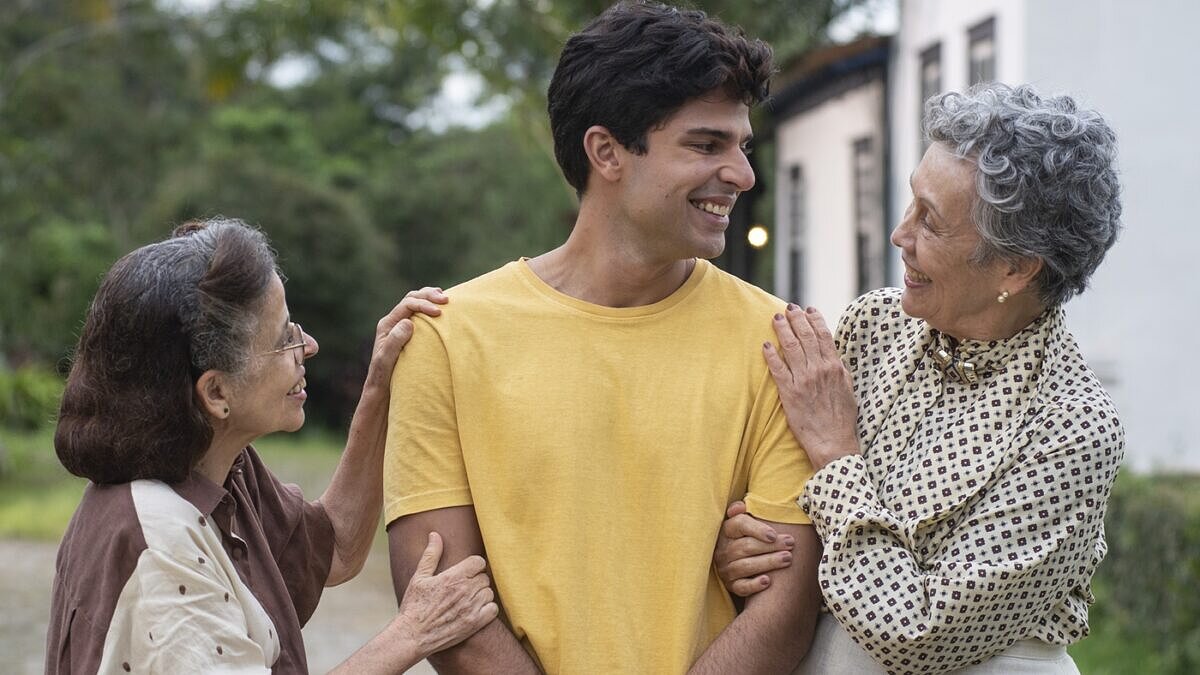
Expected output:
{"points": [[821, 141], [1139, 324]]}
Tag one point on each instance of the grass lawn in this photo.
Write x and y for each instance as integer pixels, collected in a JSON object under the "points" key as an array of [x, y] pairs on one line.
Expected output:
{"points": [[37, 495]]}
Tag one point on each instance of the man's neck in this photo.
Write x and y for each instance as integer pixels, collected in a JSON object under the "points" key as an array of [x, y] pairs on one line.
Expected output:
{"points": [[598, 264]]}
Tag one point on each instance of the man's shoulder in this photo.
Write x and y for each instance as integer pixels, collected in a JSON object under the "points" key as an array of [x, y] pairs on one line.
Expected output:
{"points": [[485, 297], [752, 299], [500, 280]]}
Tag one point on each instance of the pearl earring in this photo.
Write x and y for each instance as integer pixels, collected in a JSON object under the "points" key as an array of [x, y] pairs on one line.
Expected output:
{"points": [[1002, 297]]}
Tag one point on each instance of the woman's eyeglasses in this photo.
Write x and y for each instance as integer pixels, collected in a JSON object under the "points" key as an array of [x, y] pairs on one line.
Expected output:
{"points": [[297, 344]]}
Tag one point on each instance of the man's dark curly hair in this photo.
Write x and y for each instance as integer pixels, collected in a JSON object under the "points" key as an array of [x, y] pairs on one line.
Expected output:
{"points": [[635, 65]]}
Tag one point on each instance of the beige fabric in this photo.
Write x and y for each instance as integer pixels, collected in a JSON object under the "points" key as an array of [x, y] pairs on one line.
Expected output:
{"points": [[974, 517], [185, 609], [834, 653]]}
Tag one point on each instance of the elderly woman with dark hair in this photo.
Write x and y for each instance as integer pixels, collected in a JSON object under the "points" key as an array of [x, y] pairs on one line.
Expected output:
{"points": [[964, 451], [186, 554]]}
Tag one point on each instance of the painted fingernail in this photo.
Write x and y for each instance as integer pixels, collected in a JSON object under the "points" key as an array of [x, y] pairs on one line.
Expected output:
{"points": [[766, 345], [811, 310], [764, 581], [779, 317], [792, 307]]}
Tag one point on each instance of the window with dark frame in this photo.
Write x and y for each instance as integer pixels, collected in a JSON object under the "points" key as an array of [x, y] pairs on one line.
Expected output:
{"points": [[870, 242], [797, 231], [931, 84], [981, 52]]}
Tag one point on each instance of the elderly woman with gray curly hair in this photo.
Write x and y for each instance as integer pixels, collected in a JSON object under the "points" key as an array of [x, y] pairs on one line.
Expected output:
{"points": [[964, 452]]}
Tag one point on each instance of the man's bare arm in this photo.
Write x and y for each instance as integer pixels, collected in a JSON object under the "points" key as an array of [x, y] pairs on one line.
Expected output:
{"points": [[494, 649], [774, 631]]}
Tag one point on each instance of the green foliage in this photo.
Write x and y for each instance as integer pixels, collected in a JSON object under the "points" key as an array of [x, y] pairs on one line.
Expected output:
{"points": [[51, 273], [456, 207], [1147, 586], [28, 398], [120, 119]]}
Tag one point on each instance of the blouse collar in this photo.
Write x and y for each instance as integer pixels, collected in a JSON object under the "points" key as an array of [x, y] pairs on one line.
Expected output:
{"points": [[969, 360]]}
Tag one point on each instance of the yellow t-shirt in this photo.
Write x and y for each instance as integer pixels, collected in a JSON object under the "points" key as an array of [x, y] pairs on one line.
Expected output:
{"points": [[599, 447]]}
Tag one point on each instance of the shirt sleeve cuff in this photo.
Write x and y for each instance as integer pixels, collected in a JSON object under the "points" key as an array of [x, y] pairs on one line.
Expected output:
{"points": [[776, 513], [836, 493]]}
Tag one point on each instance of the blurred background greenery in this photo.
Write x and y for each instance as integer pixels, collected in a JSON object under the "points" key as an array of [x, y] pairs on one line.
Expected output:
{"points": [[324, 122], [328, 124]]}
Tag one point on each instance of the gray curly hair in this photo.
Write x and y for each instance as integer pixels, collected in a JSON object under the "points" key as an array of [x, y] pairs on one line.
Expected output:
{"points": [[1046, 181]]}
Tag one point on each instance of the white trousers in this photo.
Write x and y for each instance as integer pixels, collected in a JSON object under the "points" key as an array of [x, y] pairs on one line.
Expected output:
{"points": [[834, 653]]}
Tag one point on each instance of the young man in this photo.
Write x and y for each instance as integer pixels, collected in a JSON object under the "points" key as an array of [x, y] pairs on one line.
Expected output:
{"points": [[585, 416]]}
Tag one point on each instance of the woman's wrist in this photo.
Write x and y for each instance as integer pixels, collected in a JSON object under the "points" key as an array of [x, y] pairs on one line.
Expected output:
{"points": [[828, 456], [385, 653]]}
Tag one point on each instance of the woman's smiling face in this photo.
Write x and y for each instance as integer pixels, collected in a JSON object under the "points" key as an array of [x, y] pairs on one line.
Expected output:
{"points": [[270, 395], [937, 239]]}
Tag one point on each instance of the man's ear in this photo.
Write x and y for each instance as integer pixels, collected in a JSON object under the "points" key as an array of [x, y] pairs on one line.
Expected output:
{"points": [[212, 390], [604, 152]]}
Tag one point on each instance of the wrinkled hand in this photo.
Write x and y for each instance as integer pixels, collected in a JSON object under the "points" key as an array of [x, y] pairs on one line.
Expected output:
{"points": [[441, 610], [395, 330], [814, 386], [747, 549]]}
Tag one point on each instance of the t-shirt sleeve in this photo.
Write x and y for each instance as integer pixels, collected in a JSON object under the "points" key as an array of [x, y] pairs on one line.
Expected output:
{"points": [[779, 468], [423, 465]]}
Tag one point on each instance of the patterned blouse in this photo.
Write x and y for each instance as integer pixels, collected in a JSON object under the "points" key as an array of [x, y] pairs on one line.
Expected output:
{"points": [[975, 515]]}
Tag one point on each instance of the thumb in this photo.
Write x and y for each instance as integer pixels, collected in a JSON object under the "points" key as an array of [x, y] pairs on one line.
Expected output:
{"points": [[735, 509], [430, 558]]}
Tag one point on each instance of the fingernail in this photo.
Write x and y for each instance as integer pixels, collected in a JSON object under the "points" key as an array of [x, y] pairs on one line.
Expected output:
{"points": [[786, 556], [766, 345], [764, 581], [770, 536], [792, 307], [789, 541], [779, 317], [811, 310]]}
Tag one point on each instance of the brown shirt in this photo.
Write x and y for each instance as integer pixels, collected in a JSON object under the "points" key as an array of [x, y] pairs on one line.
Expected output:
{"points": [[161, 578]]}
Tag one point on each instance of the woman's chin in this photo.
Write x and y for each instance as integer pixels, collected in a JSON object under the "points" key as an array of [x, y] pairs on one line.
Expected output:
{"points": [[295, 425], [909, 304]]}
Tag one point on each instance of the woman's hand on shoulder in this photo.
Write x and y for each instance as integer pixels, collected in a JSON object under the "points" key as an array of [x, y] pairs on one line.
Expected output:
{"points": [[395, 329], [815, 387], [748, 550]]}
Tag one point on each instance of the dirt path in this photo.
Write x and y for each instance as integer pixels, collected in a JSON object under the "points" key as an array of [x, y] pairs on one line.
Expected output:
{"points": [[26, 572], [347, 617]]}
